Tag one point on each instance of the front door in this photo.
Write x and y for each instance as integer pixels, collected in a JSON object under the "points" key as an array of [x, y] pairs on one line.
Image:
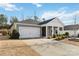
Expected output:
{"points": [[43, 31]]}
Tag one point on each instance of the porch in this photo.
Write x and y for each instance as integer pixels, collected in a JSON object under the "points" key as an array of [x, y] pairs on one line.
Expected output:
{"points": [[50, 30]]}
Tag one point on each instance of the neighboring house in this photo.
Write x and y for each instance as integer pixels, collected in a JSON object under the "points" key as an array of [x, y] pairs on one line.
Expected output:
{"points": [[72, 29], [33, 29]]}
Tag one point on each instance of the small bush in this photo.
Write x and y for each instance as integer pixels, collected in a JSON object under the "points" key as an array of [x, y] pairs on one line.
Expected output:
{"points": [[57, 37], [66, 34], [63, 36], [14, 35], [60, 37], [53, 36], [4, 33], [49, 37]]}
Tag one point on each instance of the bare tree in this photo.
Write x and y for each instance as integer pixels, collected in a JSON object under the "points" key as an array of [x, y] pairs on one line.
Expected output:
{"points": [[14, 19]]}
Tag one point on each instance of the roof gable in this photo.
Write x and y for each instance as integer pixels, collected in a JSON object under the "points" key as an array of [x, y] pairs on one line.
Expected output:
{"points": [[54, 22], [45, 22]]}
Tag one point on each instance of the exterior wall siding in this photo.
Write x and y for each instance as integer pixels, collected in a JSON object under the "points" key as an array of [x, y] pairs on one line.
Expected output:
{"points": [[54, 22]]}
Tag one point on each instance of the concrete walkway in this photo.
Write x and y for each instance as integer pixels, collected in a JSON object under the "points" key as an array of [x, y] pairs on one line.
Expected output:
{"points": [[48, 47]]}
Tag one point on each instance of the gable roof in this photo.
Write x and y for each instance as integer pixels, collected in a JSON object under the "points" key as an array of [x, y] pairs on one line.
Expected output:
{"points": [[71, 27], [45, 22], [31, 21], [27, 21]]}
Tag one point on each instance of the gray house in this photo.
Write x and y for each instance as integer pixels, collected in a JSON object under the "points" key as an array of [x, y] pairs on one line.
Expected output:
{"points": [[34, 29]]}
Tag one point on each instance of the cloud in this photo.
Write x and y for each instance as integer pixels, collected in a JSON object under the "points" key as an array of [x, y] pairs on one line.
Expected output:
{"points": [[10, 7], [63, 14], [37, 4], [53, 13]]}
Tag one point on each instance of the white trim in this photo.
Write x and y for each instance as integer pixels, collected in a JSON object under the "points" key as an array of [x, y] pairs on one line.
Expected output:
{"points": [[46, 31]]}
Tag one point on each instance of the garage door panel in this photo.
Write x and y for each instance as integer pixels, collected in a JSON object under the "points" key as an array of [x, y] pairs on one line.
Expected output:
{"points": [[29, 32]]}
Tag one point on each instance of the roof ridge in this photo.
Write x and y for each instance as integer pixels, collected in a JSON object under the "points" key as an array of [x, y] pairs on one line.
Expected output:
{"points": [[46, 21]]}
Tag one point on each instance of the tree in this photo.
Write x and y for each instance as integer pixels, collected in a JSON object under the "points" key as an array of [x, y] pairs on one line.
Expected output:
{"points": [[43, 19], [3, 19], [14, 19], [36, 18]]}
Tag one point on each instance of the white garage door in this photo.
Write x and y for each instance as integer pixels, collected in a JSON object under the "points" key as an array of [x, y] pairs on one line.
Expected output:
{"points": [[29, 32]]}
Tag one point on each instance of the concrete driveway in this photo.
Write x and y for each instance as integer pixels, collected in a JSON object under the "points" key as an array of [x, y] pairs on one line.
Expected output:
{"points": [[16, 48], [48, 47], [36, 47]]}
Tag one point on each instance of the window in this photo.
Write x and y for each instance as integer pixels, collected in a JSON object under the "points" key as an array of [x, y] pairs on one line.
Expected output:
{"points": [[60, 28]]}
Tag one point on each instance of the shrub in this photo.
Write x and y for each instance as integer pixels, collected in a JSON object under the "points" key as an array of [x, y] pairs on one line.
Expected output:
{"points": [[63, 36], [60, 37], [14, 35], [4, 33], [57, 37], [66, 34], [53, 36]]}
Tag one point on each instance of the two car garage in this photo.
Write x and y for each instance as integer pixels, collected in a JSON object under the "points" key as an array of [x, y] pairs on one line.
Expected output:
{"points": [[29, 31]]}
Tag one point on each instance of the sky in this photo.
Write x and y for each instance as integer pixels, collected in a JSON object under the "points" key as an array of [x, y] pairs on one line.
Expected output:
{"points": [[66, 12]]}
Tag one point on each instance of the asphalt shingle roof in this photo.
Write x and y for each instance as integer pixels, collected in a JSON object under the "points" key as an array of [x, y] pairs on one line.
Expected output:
{"points": [[46, 21], [29, 21]]}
